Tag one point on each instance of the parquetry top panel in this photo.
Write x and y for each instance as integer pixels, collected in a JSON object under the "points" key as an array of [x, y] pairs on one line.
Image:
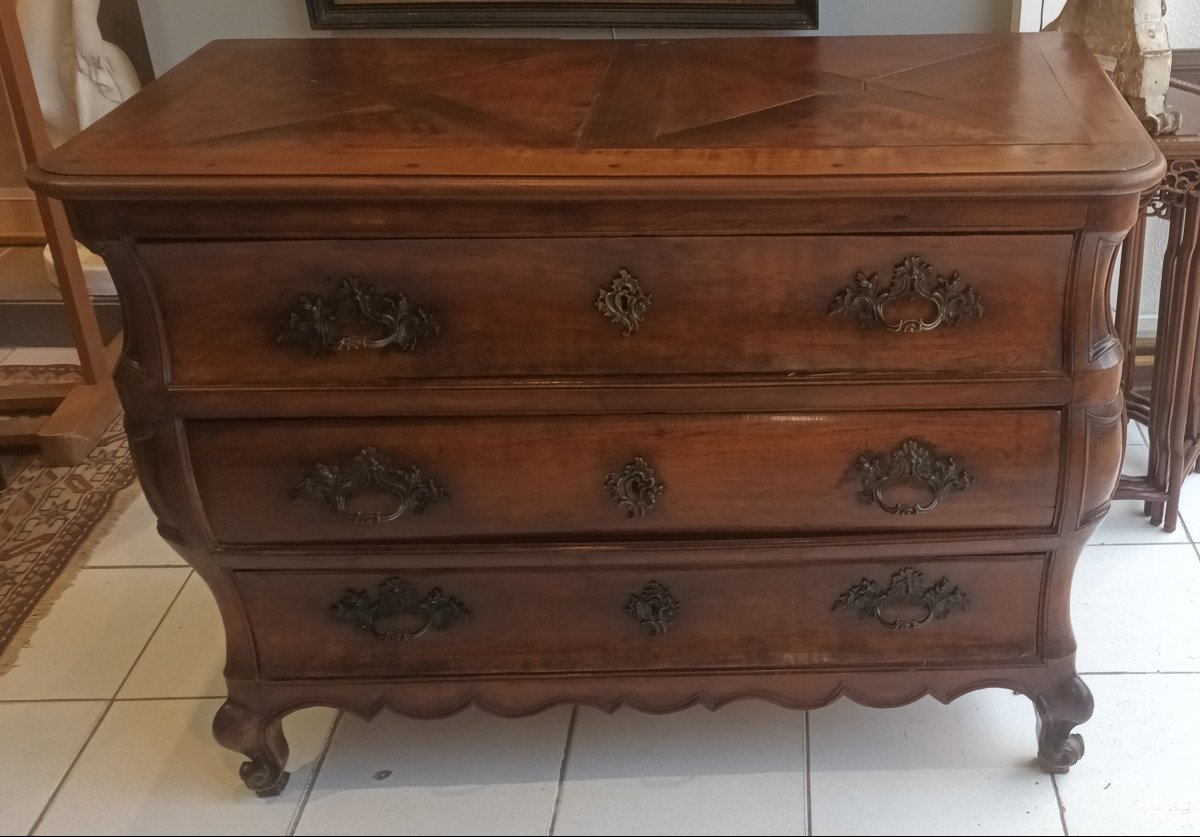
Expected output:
{"points": [[761, 107]]}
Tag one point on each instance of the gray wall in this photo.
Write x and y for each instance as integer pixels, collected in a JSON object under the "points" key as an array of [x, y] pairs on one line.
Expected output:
{"points": [[177, 28]]}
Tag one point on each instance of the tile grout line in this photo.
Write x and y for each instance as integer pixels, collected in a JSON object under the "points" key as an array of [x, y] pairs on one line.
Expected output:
{"points": [[562, 769], [808, 815], [1116, 673], [1195, 546], [114, 700], [224, 696], [136, 567], [1062, 809], [66, 773], [153, 634], [6, 701], [107, 708], [1183, 523], [312, 776], [1141, 431]]}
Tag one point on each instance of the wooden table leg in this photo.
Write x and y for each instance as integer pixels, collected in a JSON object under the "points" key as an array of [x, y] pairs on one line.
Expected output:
{"points": [[1151, 488], [1171, 303], [1183, 263], [1172, 413], [1129, 295]]}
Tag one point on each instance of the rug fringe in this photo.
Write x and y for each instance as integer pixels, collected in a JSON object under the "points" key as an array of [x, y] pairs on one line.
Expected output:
{"points": [[119, 502]]}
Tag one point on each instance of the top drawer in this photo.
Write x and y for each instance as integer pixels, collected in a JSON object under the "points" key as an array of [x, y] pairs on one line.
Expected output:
{"points": [[269, 313]]}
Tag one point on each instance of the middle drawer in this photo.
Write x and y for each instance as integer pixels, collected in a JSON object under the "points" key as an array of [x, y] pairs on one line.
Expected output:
{"points": [[580, 477]]}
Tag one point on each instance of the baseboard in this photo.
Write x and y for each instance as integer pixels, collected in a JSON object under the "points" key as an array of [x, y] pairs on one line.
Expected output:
{"points": [[43, 324], [1185, 69], [1147, 325]]}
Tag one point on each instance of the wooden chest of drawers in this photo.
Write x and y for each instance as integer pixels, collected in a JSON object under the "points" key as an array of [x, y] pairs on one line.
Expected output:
{"points": [[644, 373]]}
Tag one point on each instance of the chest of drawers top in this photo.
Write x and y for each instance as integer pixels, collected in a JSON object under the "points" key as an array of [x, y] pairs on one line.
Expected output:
{"points": [[759, 116]]}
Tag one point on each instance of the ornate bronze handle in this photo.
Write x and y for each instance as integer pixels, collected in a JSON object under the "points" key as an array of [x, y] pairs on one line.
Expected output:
{"points": [[369, 470], [906, 586], [398, 598], [654, 607], [320, 325], [623, 302], [635, 488], [911, 462], [913, 278]]}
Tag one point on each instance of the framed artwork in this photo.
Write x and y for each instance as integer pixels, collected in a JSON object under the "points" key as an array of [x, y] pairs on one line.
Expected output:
{"points": [[728, 14]]}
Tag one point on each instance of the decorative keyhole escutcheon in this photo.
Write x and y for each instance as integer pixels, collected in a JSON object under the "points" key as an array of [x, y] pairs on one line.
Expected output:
{"points": [[369, 472], [356, 316], [635, 488], [912, 463], [623, 302], [913, 281], [654, 607], [906, 603]]}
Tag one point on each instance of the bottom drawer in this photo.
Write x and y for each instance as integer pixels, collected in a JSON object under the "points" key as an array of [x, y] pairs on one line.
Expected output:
{"points": [[340, 624]]}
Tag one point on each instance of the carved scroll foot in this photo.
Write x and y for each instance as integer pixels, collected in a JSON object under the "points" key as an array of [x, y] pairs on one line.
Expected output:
{"points": [[1060, 711], [260, 740]]}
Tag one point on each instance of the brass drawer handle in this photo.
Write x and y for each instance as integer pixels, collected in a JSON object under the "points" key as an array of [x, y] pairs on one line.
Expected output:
{"points": [[635, 487], [370, 471], [913, 278], [397, 597], [911, 462], [322, 326], [623, 302], [869, 599], [654, 607]]}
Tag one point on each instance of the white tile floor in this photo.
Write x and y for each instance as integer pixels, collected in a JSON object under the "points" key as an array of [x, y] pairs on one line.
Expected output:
{"points": [[105, 729]]}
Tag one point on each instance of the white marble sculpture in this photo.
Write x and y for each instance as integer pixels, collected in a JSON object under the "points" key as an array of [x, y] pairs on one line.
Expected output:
{"points": [[79, 78], [1132, 33]]}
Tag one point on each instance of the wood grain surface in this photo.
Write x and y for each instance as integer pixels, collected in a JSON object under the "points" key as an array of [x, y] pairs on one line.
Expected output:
{"points": [[527, 307], [501, 185], [856, 109]]}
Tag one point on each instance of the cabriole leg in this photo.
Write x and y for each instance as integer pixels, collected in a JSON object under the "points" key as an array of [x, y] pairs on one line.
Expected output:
{"points": [[260, 740], [1059, 711]]}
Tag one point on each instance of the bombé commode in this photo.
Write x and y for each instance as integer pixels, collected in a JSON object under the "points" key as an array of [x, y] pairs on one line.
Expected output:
{"points": [[515, 373]]}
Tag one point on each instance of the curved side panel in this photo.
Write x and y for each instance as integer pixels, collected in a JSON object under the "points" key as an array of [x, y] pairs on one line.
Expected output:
{"points": [[1104, 449]]}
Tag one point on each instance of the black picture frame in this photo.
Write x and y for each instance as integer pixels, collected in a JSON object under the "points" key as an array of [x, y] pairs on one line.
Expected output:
{"points": [[724, 14]]}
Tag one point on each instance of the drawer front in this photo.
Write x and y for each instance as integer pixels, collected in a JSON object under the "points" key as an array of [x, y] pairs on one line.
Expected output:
{"points": [[362, 624], [586, 477], [301, 313]]}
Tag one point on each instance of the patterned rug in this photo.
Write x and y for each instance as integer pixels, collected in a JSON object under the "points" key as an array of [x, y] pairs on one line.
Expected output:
{"points": [[51, 517]]}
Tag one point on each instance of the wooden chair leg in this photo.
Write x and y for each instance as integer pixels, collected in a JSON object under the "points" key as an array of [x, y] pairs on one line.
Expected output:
{"points": [[71, 432]]}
